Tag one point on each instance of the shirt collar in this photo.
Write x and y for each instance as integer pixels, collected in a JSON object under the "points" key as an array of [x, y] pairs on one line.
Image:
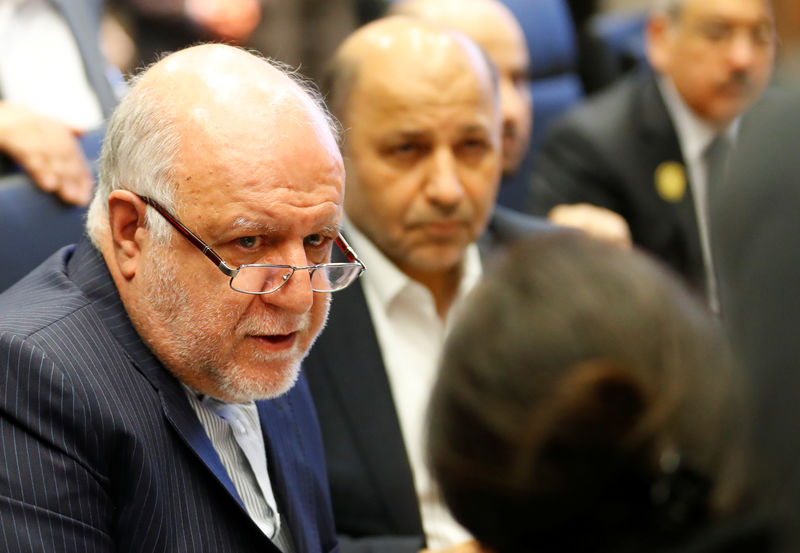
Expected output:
{"points": [[212, 403], [388, 282], [694, 134]]}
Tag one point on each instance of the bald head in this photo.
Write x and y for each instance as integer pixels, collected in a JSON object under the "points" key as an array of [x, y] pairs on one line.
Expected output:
{"points": [[495, 29], [390, 50], [207, 91], [481, 20], [217, 85]]}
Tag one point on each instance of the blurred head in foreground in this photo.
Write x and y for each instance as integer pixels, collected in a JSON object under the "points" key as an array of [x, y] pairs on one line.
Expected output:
{"points": [[586, 403]]}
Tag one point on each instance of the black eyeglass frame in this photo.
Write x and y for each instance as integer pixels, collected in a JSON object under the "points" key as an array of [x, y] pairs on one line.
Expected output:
{"points": [[227, 270]]}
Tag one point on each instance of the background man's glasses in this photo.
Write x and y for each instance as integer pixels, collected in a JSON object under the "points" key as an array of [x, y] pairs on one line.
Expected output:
{"points": [[265, 278]]}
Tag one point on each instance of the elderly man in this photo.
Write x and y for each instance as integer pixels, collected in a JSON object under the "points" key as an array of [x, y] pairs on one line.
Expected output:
{"points": [[151, 398], [423, 164], [648, 149]]}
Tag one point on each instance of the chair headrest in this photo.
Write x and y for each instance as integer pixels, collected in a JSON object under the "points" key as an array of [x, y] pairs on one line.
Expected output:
{"points": [[550, 32]]}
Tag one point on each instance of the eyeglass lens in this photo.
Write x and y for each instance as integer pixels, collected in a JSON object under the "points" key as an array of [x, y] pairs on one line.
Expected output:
{"points": [[256, 279]]}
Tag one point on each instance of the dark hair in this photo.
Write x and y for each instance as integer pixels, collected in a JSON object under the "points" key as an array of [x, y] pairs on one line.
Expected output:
{"points": [[586, 403]]}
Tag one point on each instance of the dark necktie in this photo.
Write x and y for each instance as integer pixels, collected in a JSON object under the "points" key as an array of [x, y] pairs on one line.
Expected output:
{"points": [[717, 156]]}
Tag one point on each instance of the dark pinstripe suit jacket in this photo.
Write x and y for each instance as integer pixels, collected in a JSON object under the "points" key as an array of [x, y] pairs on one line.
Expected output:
{"points": [[99, 448]]}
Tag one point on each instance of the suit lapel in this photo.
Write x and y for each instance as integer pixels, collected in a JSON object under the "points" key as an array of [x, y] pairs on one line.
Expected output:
{"points": [[279, 426], [184, 420], [88, 270], [658, 132], [363, 389], [84, 30]]}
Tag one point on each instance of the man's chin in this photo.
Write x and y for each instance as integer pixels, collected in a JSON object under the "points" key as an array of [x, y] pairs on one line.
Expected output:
{"points": [[240, 385]]}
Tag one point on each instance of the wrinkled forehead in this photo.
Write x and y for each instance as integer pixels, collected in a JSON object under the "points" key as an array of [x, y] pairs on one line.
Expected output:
{"points": [[423, 69], [746, 12]]}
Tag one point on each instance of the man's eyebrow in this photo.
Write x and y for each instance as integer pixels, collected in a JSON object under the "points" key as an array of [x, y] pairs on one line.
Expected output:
{"points": [[331, 229], [254, 226], [474, 128], [408, 134], [242, 223]]}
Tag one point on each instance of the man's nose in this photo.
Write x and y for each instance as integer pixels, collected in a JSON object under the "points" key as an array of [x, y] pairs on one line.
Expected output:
{"points": [[742, 51], [296, 296], [444, 187]]}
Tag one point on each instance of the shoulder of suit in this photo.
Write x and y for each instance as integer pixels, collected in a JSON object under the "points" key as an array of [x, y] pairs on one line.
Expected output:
{"points": [[507, 223], [41, 299], [608, 109]]}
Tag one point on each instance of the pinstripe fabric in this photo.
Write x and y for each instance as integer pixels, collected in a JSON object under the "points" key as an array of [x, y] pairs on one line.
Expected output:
{"points": [[260, 505], [99, 448]]}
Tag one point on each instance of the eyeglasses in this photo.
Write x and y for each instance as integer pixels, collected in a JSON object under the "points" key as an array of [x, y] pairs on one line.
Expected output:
{"points": [[265, 278]]}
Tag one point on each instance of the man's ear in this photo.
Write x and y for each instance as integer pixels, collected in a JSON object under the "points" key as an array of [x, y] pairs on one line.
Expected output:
{"points": [[126, 217], [659, 42]]}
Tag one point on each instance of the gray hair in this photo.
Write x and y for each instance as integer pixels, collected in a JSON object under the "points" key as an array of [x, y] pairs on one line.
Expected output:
{"points": [[139, 152], [141, 146]]}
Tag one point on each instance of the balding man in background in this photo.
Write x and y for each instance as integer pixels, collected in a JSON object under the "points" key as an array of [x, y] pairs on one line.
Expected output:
{"points": [[151, 396], [647, 148], [423, 158], [495, 29]]}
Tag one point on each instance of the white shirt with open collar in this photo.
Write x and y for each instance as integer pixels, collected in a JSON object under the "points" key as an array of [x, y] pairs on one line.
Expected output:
{"points": [[410, 335]]}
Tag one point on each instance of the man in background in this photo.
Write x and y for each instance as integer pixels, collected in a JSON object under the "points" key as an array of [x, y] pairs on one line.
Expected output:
{"points": [[423, 158], [645, 151], [494, 28]]}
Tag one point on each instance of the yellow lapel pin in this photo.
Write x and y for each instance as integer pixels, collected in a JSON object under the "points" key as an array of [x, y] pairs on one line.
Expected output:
{"points": [[670, 179]]}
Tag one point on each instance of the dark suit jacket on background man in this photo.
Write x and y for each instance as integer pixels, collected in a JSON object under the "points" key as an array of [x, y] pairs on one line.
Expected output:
{"points": [[372, 485], [607, 153]]}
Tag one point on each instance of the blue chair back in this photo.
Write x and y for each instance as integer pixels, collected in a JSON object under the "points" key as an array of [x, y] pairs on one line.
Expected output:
{"points": [[34, 224], [619, 37], [555, 83]]}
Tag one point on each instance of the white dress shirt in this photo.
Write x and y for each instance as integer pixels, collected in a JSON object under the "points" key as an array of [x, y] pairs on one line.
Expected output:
{"points": [[411, 334], [235, 432], [695, 136], [41, 66]]}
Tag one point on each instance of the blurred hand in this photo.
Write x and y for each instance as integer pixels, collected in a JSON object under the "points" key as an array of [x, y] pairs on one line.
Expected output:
{"points": [[48, 151], [227, 20], [598, 222], [466, 547]]}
